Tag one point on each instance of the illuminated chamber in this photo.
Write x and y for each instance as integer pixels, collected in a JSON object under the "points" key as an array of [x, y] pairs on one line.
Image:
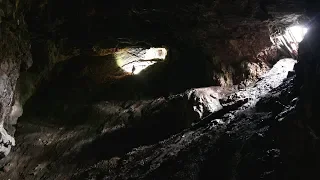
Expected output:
{"points": [[134, 60]]}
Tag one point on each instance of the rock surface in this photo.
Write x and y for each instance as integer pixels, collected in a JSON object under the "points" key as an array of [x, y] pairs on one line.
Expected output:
{"points": [[208, 44], [145, 139], [302, 123], [15, 53], [136, 134]]}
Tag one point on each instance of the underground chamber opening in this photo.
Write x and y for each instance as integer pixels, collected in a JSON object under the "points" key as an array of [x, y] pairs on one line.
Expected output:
{"points": [[134, 60], [289, 39]]}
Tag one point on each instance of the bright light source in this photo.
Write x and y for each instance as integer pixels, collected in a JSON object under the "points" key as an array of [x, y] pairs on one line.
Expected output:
{"points": [[290, 39], [155, 53], [298, 32], [134, 60]]}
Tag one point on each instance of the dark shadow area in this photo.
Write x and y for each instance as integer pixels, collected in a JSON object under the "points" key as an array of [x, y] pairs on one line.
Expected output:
{"points": [[118, 143], [149, 129], [86, 79], [73, 82]]}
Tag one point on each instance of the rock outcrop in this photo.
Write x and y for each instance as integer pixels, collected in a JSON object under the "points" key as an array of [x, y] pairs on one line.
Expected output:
{"points": [[300, 143], [15, 56], [139, 139], [219, 148]]}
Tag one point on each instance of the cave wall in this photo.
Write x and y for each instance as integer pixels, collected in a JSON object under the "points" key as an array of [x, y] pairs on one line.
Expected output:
{"points": [[303, 125], [15, 56], [211, 42], [208, 45]]}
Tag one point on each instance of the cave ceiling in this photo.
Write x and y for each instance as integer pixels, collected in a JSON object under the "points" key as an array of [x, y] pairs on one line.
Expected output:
{"points": [[90, 25]]}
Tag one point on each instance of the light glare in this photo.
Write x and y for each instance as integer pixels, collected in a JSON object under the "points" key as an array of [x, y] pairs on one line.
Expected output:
{"points": [[134, 60], [290, 39], [298, 32]]}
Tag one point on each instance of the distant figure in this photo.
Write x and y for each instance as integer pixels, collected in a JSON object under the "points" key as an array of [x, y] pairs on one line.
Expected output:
{"points": [[133, 69], [160, 52]]}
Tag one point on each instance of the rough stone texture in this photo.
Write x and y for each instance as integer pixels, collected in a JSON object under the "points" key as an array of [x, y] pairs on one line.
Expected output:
{"points": [[209, 43], [133, 139], [15, 54], [302, 123], [203, 101], [226, 147], [146, 121]]}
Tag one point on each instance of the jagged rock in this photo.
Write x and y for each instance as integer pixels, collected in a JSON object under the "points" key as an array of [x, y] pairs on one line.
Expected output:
{"points": [[184, 136], [140, 138], [204, 101], [224, 142], [15, 50], [183, 109], [300, 125]]}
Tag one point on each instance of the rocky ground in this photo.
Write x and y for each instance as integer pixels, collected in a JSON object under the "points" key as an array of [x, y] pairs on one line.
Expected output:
{"points": [[205, 133], [68, 111]]}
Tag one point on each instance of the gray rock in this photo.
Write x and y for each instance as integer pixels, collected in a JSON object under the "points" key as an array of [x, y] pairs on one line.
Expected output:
{"points": [[14, 50]]}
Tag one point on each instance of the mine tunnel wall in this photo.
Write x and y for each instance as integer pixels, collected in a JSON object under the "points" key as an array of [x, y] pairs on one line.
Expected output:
{"points": [[204, 53]]}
